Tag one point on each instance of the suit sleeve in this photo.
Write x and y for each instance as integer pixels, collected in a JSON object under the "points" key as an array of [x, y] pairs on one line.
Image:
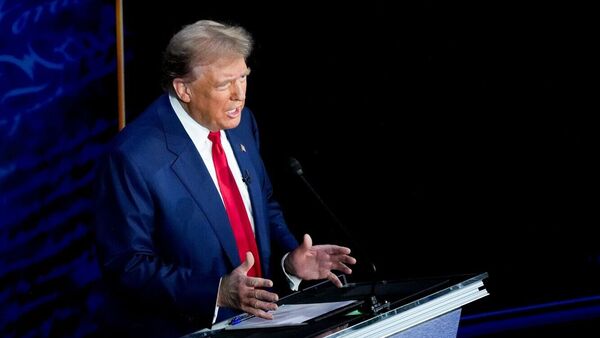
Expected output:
{"points": [[124, 228]]}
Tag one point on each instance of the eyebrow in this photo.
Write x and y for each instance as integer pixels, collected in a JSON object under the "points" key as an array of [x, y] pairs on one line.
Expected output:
{"points": [[227, 79]]}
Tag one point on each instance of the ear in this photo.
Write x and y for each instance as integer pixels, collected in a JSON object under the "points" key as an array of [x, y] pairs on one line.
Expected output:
{"points": [[182, 90]]}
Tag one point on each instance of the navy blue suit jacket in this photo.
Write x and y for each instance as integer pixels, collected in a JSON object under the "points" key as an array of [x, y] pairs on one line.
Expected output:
{"points": [[163, 236]]}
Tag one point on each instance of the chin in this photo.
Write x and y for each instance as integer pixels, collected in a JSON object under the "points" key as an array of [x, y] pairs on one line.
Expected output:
{"points": [[232, 124]]}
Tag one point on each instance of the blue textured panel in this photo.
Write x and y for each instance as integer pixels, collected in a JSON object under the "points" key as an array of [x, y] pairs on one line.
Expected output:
{"points": [[57, 109]]}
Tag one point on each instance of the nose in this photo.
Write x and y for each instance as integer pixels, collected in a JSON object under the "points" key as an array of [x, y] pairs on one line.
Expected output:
{"points": [[238, 91]]}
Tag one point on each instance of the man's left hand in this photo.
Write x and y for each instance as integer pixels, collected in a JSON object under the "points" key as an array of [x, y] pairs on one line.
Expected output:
{"points": [[310, 262]]}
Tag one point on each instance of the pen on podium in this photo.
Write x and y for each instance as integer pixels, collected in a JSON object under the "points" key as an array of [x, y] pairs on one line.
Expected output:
{"points": [[238, 319]]}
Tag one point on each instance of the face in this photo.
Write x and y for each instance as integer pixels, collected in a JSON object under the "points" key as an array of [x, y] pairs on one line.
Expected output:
{"points": [[216, 96]]}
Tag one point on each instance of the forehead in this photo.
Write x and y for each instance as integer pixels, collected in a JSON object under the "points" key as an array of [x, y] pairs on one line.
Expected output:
{"points": [[229, 67]]}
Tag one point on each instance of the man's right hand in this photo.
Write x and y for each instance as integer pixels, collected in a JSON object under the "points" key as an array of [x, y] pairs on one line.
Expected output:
{"points": [[239, 291]]}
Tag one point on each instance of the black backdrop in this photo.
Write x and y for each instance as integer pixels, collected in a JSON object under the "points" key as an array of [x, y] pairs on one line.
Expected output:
{"points": [[449, 138]]}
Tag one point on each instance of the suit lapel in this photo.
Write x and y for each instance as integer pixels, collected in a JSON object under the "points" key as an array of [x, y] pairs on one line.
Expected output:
{"points": [[190, 169], [192, 173], [243, 157]]}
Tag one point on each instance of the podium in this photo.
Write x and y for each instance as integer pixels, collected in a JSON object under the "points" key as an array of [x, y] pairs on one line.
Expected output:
{"points": [[423, 307]]}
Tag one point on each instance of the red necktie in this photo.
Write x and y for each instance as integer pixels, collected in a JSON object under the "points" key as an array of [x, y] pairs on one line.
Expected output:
{"points": [[234, 205]]}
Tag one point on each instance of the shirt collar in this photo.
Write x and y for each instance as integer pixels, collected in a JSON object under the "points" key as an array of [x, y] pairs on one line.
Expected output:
{"points": [[194, 129]]}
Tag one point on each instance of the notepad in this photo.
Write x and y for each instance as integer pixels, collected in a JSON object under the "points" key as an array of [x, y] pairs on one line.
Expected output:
{"points": [[290, 315]]}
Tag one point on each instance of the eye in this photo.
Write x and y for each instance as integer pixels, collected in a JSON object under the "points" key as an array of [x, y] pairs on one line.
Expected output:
{"points": [[244, 77], [223, 86]]}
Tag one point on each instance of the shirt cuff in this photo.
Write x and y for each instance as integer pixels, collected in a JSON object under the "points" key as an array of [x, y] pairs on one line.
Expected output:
{"points": [[293, 281], [216, 313]]}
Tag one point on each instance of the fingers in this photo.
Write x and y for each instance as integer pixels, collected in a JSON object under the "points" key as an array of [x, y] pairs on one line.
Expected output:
{"points": [[335, 249], [346, 259], [265, 295], [307, 242], [334, 279], [259, 302], [256, 282], [247, 264], [252, 294], [258, 313], [342, 267], [339, 263], [240, 291], [336, 253]]}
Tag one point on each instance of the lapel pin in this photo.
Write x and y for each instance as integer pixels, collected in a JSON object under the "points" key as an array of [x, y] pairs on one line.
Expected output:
{"points": [[242, 148]]}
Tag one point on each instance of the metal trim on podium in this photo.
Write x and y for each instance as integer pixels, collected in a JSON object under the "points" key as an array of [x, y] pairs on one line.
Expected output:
{"points": [[420, 311]]}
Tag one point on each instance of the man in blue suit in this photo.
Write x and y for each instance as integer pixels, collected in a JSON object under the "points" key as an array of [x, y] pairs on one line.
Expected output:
{"points": [[168, 245]]}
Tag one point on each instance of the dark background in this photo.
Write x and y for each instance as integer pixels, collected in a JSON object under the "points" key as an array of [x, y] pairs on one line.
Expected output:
{"points": [[448, 137]]}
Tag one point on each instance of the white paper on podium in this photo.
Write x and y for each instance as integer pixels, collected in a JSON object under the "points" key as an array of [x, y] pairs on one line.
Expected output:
{"points": [[290, 314]]}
